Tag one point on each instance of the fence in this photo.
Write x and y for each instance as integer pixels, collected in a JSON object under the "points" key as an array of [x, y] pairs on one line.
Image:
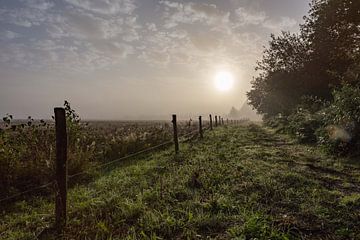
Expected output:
{"points": [[62, 177]]}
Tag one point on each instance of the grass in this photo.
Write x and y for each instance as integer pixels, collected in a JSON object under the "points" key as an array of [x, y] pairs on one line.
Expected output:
{"points": [[239, 182]]}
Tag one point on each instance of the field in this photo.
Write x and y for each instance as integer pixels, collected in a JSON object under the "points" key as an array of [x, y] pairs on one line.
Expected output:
{"points": [[239, 182], [27, 147]]}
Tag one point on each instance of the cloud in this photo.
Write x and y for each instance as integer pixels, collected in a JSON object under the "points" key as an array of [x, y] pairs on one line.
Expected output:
{"points": [[247, 17], [39, 4], [176, 13], [106, 7], [22, 17], [284, 23], [80, 35], [9, 35], [198, 35]]}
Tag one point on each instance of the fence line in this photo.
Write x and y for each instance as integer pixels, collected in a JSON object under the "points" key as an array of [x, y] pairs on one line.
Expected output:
{"points": [[188, 137], [60, 184], [89, 170], [122, 158]]}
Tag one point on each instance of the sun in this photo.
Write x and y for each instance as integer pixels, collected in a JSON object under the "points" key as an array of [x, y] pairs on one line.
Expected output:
{"points": [[224, 81]]}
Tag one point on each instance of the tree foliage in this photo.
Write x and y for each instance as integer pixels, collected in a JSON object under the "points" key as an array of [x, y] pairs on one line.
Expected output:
{"points": [[325, 54]]}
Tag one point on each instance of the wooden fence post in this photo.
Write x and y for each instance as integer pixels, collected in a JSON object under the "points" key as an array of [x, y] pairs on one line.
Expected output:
{"points": [[222, 121], [216, 121], [176, 140], [61, 168], [200, 128], [227, 121], [211, 126]]}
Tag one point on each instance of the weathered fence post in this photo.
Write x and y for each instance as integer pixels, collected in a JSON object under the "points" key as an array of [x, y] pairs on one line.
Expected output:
{"points": [[176, 140], [227, 121], [211, 126], [216, 121], [61, 168], [200, 128], [222, 121]]}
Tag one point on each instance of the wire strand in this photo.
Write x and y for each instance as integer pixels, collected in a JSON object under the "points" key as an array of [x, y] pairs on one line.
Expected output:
{"points": [[123, 158], [191, 134], [27, 191]]}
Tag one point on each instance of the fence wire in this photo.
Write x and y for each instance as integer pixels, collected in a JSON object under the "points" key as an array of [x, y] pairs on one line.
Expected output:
{"points": [[122, 158], [185, 138], [27, 191]]}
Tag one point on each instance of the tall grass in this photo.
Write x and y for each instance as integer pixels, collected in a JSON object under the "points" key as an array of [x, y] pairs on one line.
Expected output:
{"points": [[27, 149]]}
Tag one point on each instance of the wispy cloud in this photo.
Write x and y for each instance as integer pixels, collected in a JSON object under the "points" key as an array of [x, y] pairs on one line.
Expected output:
{"points": [[105, 7]]}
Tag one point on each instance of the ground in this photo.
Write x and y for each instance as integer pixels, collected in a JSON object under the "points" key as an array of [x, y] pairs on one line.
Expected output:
{"points": [[239, 182]]}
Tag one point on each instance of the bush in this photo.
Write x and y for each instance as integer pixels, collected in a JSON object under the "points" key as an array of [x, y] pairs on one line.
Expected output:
{"points": [[303, 124], [340, 133], [278, 122], [333, 125]]}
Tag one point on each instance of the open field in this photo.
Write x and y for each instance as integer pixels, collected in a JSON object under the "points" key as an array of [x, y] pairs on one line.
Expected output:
{"points": [[27, 147], [239, 182]]}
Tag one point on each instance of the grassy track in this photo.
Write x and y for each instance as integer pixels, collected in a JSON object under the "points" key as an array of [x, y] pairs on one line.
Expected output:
{"points": [[237, 183]]}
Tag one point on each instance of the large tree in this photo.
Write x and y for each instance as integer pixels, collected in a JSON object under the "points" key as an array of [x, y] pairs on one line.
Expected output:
{"points": [[324, 54]]}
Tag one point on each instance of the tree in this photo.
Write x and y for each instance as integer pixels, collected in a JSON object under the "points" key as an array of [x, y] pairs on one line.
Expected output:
{"points": [[333, 28], [234, 113], [281, 81], [323, 55]]}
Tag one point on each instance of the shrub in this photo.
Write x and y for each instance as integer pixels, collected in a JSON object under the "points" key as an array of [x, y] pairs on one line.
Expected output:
{"points": [[278, 122], [341, 133], [303, 124], [334, 125]]}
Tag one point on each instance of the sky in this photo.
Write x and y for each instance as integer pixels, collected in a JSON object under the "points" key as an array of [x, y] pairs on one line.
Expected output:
{"points": [[134, 59]]}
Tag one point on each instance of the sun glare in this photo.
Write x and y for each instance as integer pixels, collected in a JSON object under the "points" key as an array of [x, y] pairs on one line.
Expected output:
{"points": [[224, 81]]}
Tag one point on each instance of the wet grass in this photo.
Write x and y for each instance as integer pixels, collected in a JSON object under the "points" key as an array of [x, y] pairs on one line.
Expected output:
{"points": [[239, 182]]}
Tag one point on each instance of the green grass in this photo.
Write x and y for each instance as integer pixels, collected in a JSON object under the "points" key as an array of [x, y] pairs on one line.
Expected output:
{"points": [[239, 182]]}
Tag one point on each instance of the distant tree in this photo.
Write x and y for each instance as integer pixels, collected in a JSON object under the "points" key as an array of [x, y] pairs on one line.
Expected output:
{"points": [[234, 113]]}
